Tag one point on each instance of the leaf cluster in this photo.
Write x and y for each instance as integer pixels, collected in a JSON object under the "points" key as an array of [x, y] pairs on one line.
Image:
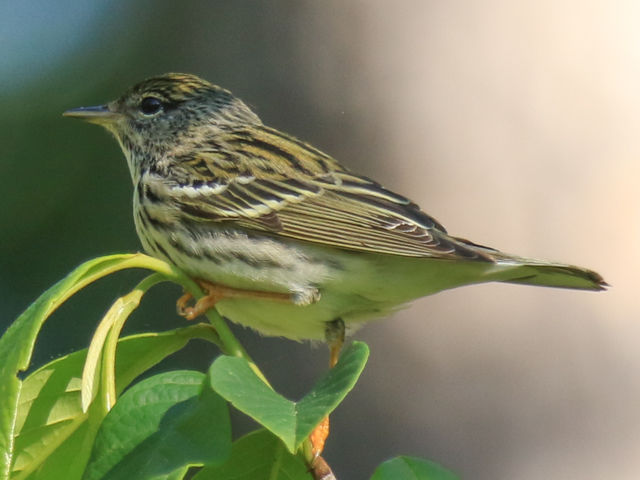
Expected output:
{"points": [[84, 416]]}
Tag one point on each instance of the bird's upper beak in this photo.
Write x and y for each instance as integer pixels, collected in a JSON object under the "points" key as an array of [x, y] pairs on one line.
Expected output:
{"points": [[100, 114]]}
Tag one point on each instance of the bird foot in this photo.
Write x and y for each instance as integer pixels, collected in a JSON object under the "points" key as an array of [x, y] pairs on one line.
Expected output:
{"points": [[215, 293]]}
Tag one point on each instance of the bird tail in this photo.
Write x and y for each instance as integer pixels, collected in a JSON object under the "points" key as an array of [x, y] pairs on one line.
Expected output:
{"points": [[560, 276], [546, 274], [527, 271]]}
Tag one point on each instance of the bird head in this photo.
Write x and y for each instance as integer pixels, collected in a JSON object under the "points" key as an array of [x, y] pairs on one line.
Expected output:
{"points": [[160, 114]]}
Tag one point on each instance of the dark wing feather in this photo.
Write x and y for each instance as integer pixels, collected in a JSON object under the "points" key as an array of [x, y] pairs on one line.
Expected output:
{"points": [[304, 195]]}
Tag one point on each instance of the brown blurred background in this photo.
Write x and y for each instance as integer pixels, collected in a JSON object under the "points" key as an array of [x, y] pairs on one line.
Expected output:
{"points": [[513, 123]]}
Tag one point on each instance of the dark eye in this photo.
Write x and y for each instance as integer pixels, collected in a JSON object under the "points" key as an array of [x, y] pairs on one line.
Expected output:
{"points": [[150, 105]]}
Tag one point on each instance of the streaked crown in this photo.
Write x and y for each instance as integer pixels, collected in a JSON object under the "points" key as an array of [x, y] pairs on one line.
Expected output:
{"points": [[176, 89]]}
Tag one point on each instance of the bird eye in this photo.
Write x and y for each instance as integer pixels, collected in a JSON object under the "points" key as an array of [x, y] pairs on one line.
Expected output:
{"points": [[150, 105]]}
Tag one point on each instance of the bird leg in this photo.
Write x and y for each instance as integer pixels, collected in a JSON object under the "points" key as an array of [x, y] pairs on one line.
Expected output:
{"points": [[215, 293], [334, 335], [335, 338]]}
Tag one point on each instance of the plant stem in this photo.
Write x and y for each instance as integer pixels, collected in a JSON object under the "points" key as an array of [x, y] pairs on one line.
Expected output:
{"points": [[229, 343]]}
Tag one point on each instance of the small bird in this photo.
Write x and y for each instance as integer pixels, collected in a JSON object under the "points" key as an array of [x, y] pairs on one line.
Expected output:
{"points": [[284, 238]]}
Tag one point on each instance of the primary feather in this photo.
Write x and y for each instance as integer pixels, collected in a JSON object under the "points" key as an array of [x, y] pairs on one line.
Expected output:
{"points": [[288, 188]]}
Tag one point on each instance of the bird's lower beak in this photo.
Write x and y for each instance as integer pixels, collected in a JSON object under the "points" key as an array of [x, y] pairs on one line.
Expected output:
{"points": [[100, 114]]}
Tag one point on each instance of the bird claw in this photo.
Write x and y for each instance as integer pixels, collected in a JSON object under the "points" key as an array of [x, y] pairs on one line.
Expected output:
{"points": [[182, 308], [200, 307]]}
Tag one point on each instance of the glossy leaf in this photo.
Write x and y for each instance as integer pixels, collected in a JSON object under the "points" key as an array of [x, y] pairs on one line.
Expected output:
{"points": [[17, 343], [161, 425], [258, 456], [235, 381], [53, 436], [99, 368]]}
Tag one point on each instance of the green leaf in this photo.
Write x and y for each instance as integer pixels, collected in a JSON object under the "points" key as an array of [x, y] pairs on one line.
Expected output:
{"points": [[258, 456], [53, 436], [177, 474], [98, 373], [16, 344], [411, 468], [235, 381], [160, 425]]}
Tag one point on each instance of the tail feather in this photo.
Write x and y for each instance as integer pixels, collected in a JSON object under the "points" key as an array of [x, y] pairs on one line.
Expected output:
{"points": [[528, 271], [546, 274], [560, 276]]}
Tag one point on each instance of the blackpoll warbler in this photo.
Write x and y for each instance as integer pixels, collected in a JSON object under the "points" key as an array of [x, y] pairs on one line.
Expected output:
{"points": [[294, 241]]}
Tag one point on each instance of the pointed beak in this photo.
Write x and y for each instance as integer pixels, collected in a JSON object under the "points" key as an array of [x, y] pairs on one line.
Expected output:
{"points": [[100, 114]]}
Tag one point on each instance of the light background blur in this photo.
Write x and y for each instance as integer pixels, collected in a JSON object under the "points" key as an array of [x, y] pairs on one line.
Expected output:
{"points": [[516, 124]]}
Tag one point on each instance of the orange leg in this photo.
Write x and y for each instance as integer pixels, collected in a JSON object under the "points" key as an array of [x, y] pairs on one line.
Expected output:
{"points": [[215, 293], [335, 339]]}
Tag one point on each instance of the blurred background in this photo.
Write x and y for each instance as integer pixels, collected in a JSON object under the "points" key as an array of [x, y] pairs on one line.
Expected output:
{"points": [[513, 123]]}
